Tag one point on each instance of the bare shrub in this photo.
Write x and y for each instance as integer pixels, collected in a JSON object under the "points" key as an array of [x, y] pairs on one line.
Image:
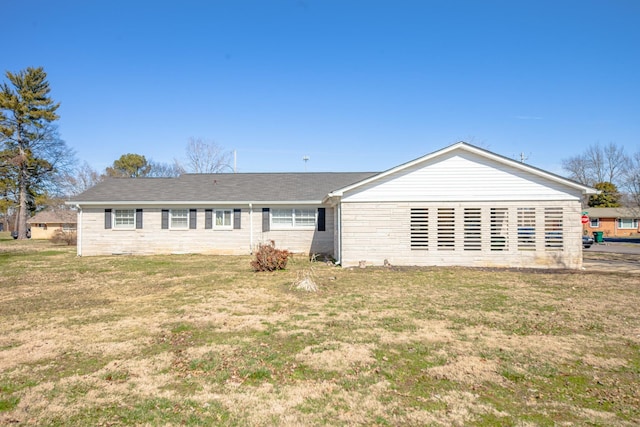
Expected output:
{"points": [[65, 237], [268, 258]]}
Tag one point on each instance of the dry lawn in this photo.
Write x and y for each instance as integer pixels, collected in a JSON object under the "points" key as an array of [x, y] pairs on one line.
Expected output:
{"points": [[203, 340]]}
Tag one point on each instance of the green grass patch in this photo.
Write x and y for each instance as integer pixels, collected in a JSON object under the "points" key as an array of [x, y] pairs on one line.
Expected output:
{"points": [[204, 340]]}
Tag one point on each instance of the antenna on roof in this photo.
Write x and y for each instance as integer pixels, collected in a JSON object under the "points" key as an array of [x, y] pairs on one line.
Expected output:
{"points": [[305, 159], [523, 157]]}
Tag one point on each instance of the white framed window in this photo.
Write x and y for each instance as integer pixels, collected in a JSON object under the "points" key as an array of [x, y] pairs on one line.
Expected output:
{"points": [[304, 218], [124, 219], [293, 218], [628, 223], [594, 222], [179, 219], [223, 218]]}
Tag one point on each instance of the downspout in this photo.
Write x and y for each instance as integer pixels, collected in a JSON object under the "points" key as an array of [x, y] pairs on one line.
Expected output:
{"points": [[339, 231], [251, 228], [79, 232]]}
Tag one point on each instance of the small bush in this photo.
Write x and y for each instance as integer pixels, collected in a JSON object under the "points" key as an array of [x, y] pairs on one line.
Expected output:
{"points": [[268, 258], [64, 237]]}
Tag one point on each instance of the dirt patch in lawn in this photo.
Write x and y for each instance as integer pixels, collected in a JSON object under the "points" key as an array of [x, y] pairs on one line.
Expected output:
{"points": [[204, 340]]}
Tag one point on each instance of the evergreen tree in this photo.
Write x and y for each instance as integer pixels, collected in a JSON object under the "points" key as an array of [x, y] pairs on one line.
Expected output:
{"points": [[130, 166], [609, 196], [29, 145]]}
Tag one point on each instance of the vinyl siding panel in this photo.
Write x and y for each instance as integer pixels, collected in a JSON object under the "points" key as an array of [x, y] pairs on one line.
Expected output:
{"points": [[308, 241], [461, 176], [153, 239]]}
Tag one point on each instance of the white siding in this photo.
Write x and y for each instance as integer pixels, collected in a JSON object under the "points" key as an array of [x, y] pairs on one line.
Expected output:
{"points": [[461, 176], [152, 239]]}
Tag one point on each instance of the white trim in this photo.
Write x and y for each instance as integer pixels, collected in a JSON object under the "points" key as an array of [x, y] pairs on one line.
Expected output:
{"points": [[634, 223], [215, 226], [250, 228], [293, 226], [471, 149], [198, 203], [171, 227], [339, 232], [79, 232], [115, 226]]}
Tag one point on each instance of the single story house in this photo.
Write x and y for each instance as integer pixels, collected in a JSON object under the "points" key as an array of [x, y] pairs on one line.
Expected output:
{"points": [[461, 205], [613, 222], [45, 224]]}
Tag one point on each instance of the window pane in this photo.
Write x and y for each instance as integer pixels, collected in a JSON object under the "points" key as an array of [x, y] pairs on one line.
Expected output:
{"points": [[179, 218], [627, 223], [124, 218], [305, 217], [282, 217], [223, 218]]}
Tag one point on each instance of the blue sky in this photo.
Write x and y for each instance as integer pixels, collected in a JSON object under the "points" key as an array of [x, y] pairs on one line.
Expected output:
{"points": [[353, 85]]}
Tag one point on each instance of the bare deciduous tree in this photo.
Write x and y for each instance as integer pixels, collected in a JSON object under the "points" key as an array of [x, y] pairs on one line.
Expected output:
{"points": [[165, 170], [206, 157], [598, 164], [632, 181], [83, 178]]}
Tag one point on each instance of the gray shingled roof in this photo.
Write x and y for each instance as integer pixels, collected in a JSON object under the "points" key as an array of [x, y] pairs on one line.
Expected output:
{"points": [[224, 187], [613, 212], [54, 217]]}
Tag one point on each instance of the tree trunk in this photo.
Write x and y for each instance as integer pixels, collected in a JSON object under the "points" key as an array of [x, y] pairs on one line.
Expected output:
{"points": [[22, 188], [22, 207]]}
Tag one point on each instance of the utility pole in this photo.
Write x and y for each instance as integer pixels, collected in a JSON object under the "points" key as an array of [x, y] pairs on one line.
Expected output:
{"points": [[305, 159]]}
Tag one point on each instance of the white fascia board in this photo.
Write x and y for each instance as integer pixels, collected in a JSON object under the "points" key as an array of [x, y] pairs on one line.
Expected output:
{"points": [[475, 150], [193, 202]]}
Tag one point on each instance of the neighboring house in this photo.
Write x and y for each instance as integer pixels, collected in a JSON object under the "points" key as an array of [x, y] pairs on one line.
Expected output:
{"points": [[44, 224], [461, 205], [613, 222]]}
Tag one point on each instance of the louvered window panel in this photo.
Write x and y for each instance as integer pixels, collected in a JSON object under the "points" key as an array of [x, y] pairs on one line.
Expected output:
{"points": [[499, 228], [446, 229], [526, 229], [553, 229], [472, 229], [419, 229]]}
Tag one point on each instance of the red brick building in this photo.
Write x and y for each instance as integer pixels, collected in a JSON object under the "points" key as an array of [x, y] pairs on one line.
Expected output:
{"points": [[613, 222]]}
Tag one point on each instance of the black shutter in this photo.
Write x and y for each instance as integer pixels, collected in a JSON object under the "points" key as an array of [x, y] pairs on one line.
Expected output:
{"points": [[208, 219], [265, 219], [138, 218], [165, 219], [107, 218], [237, 214], [321, 219], [192, 218]]}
